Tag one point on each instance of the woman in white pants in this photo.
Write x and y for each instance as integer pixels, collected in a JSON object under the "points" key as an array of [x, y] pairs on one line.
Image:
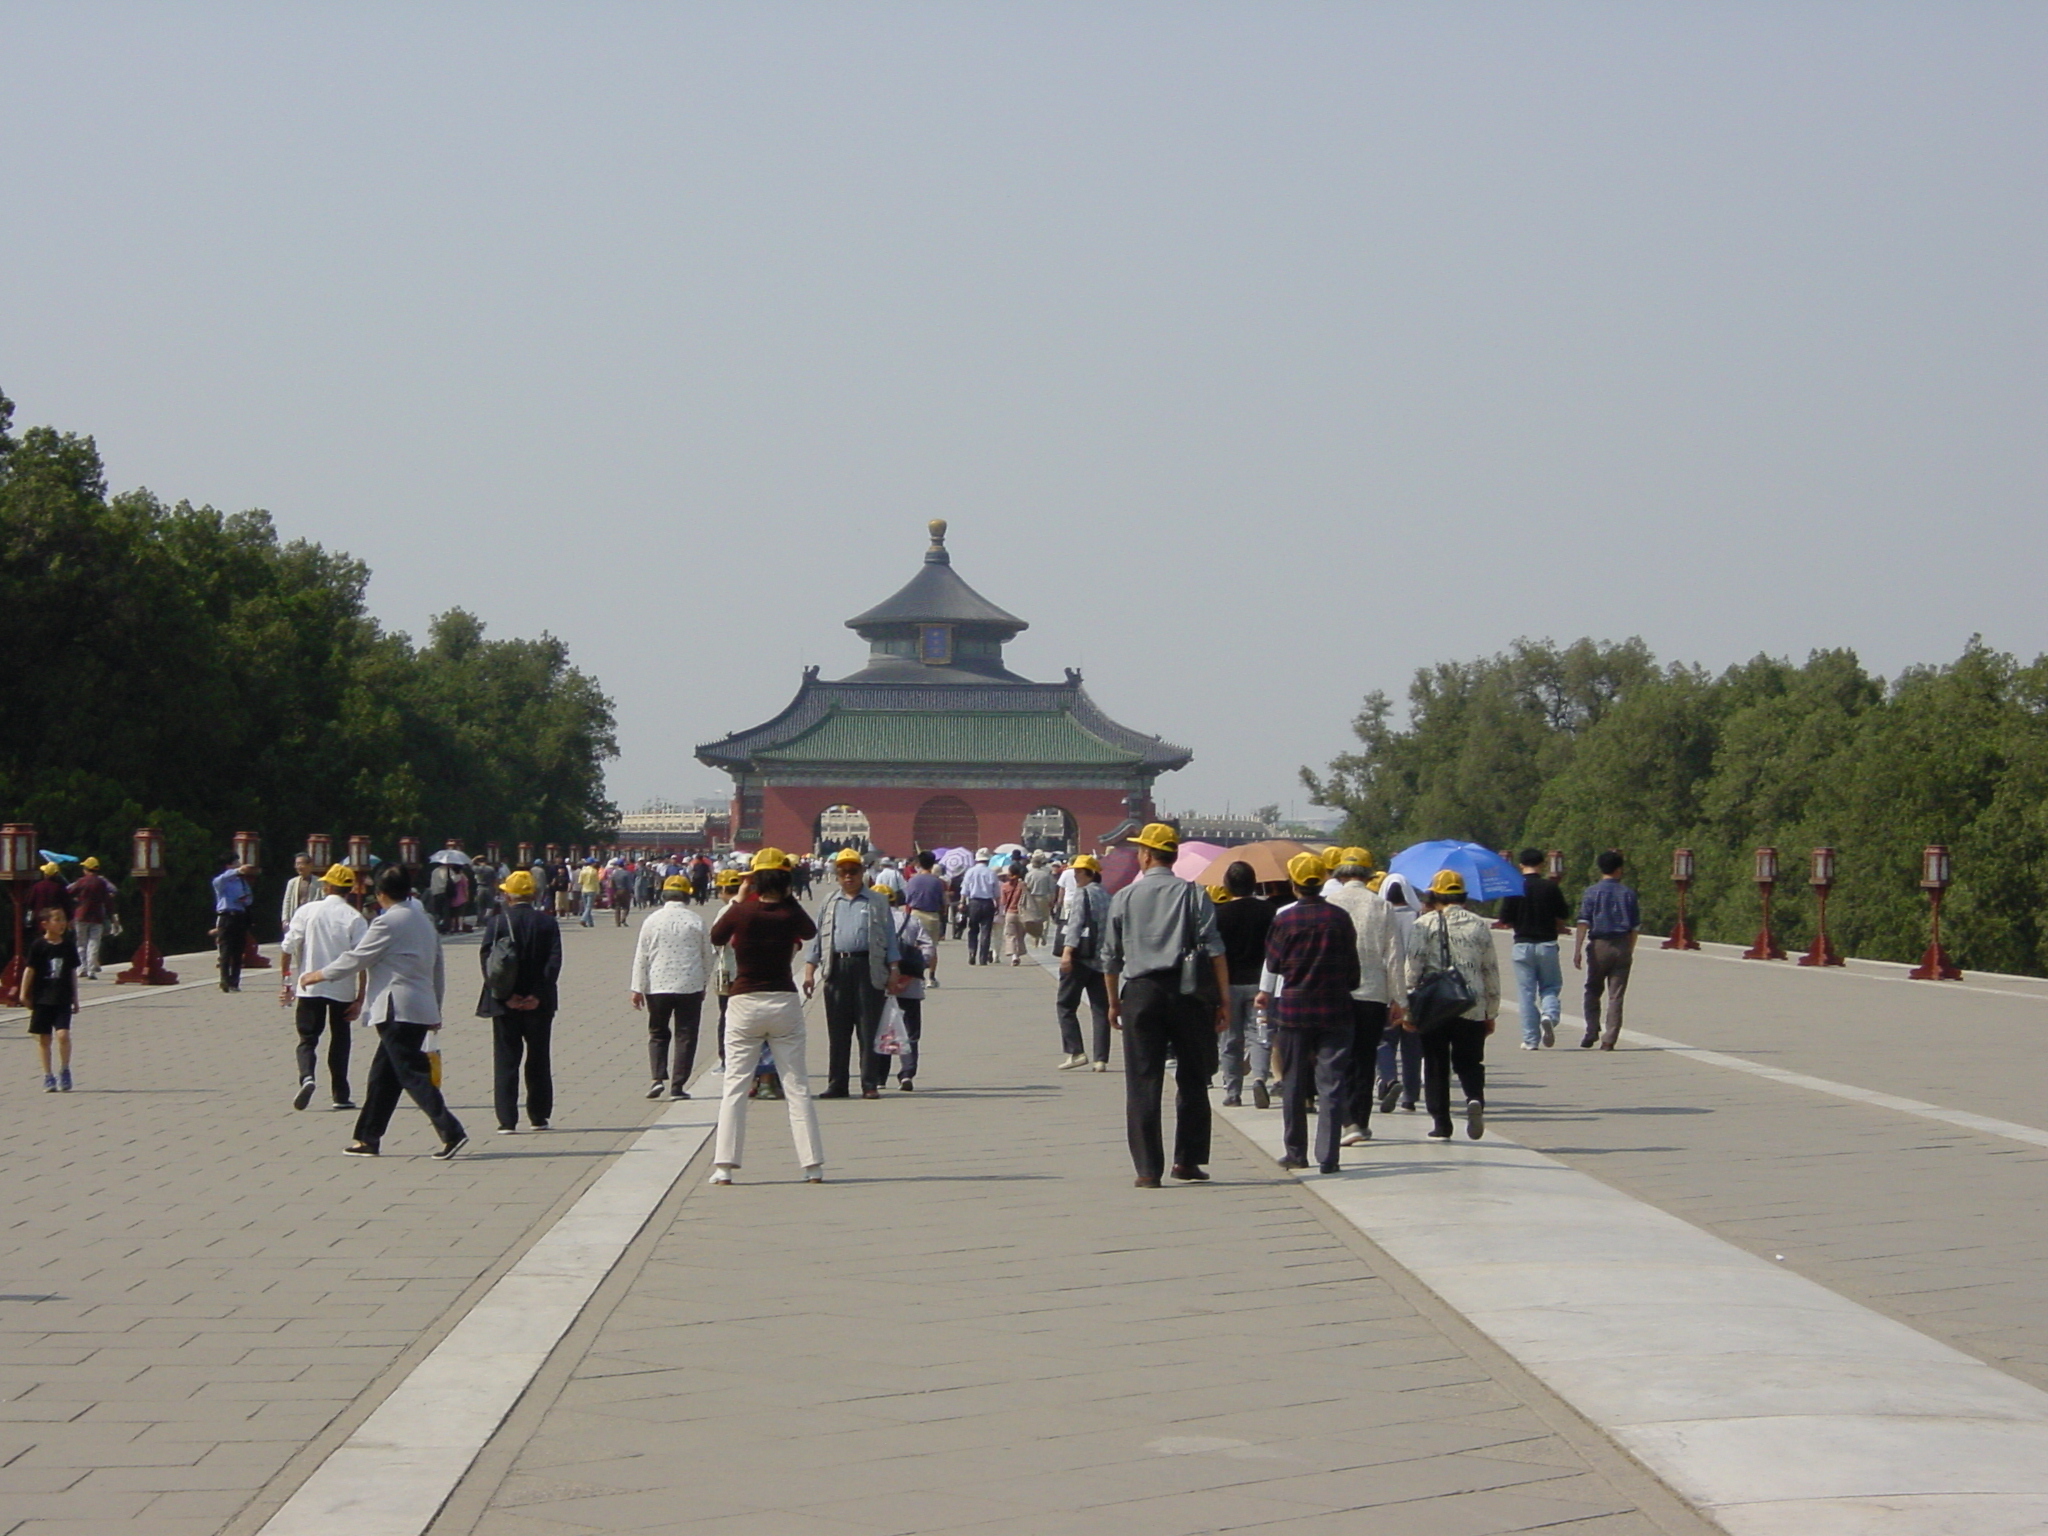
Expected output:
{"points": [[765, 929]]}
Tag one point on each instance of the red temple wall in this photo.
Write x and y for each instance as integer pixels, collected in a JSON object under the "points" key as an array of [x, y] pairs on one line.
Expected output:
{"points": [[789, 814]]}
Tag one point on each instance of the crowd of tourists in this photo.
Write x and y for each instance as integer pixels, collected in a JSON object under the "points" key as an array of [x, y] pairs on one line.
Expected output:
{"points": [[1340, 990]]}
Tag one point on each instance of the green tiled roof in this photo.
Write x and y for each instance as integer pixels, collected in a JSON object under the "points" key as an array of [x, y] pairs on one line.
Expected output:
{"points": [[909, 736]]}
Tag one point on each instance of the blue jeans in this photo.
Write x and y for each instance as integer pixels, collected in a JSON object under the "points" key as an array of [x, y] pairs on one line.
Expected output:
{"points": [[1243, 1041], [1541, 981], [1400, 1058]]}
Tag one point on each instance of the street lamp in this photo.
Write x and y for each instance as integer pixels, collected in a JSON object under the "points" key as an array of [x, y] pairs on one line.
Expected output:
{"points": [[491, 855], [146, 865], [18, 865], [1766, 946], [526, 855], [249, 855], [1681, 876], [359, 861], [409, 852], [1822, 878], [320, 851], [1553, 865], [1935, 965], [554, 853]]}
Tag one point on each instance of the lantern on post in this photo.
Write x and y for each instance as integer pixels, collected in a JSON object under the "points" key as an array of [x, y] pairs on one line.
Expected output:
{"points": [[1681, 876], [359, 861], [409, 852], [320, 850], [146, 866], [554, 853], [19, 864], [526, 855], [1935, 875], [1766, 946], [249, 855], [1822, 878], [491, 854], [1553, 865]]}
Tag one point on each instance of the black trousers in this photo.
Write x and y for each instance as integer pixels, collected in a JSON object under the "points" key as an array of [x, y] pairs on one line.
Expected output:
{"points": [[1159, 1022], [673, 1016], [853, 1011], [313, 1015], [981, 925], [1322, 1058], [401, 1065], [531, 1035], [913, 1027], [1459, 1047], [1371, 1021], [1082, 981], [231, 938]]}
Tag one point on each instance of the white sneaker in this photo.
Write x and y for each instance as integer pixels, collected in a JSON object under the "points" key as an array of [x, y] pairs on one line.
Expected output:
{"points": [[721, 1175], [1068, 1063], [815, 1174], [1550, 1031], [1354, 1137], [1102, 1066], [1527, 1046]]}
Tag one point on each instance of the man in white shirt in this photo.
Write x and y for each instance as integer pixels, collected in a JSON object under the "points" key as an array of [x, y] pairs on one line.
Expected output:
{"points": [[304, 886], [672, 967], [978, 890], [318, 933], [400, 954]]}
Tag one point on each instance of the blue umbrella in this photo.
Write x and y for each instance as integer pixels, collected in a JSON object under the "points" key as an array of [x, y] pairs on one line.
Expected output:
{"points": [[1487, 875], [58, 858]]}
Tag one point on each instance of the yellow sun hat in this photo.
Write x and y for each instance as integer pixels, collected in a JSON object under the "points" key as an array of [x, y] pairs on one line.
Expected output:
{"points": [[1447, 882], [1159, 837], [1089, 862], [342, 878], [771, 858], [1362, 857], [1305, 869], [848, 856], [678, 883]]}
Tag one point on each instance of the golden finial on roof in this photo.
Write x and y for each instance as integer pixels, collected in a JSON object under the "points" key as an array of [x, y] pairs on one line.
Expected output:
{"points": [[937, 555]]}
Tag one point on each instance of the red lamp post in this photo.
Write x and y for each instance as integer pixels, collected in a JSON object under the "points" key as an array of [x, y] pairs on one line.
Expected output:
{"points": [[526, 855], [249, 855], [1766, 946], [491, 854], [1935, 965], [320, 851], [1822, 878], [18, 865], [1553, 864], [554, 853], [1681, 876], [146, 865], [359, 861]]}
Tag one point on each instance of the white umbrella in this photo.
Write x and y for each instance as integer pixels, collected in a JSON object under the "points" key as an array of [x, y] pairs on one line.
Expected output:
{"points": [[1004, 850], [449, 856]]}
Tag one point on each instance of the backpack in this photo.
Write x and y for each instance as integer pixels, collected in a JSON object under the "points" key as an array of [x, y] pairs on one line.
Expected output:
{"points": [[501, 962]]}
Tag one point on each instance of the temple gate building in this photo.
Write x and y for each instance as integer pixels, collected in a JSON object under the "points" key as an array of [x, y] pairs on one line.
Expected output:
{"points": [[938, 744]]}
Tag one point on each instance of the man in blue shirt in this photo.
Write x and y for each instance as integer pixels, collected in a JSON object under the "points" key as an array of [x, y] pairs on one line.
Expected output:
{"points": [[232, 899], [978, 889], [857, 948], [1605, 948]]}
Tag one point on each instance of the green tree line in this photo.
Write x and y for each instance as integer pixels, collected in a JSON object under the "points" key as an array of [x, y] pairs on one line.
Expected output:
{"points": [[174, 666], [1595, 745]]}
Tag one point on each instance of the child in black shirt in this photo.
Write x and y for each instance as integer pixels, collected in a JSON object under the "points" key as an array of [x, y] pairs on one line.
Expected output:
{"points": [[50, 987]]}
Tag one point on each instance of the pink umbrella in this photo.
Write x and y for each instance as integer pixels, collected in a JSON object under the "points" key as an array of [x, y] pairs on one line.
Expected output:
{"points": [[1194, 858]]}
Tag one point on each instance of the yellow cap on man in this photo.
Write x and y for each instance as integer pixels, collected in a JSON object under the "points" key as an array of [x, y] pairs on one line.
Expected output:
{"points": [[1089, 862], [848, 856], [678, 883], [771, 858], [342, 878], [1159, 837], [1305, 869], [1448, 882]]}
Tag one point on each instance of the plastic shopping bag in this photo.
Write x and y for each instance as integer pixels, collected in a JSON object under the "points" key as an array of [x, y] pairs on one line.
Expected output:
{"points": [[891, 1038]]}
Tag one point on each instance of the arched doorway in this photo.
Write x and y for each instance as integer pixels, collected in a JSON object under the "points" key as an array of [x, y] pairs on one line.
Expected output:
{"points": [[840, 826], [1052, 828], [946, 821]]}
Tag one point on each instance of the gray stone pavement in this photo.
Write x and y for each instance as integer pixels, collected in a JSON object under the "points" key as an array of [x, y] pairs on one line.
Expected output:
{"points": [[1935, 1226], [978, 1325]]}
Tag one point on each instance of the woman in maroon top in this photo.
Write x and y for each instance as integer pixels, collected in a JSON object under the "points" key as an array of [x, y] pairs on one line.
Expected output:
{"points": [[765, 929]]}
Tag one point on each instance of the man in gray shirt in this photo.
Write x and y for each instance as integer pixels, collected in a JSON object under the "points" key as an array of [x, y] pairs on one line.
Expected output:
{"points": [[1155, 924]]}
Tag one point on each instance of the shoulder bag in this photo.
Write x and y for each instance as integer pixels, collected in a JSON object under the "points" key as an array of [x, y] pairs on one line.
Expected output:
{"points": [[1441, 996]]}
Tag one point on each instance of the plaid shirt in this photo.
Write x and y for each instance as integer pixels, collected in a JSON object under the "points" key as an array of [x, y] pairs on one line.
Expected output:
{"points": [[1313, 948]]}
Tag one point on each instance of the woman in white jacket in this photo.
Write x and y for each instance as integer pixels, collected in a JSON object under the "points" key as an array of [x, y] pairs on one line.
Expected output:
{"points": [[672, 967]]}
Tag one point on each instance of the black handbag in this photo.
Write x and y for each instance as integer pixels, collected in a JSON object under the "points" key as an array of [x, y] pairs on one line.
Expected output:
{"points": [[1442, 996]]}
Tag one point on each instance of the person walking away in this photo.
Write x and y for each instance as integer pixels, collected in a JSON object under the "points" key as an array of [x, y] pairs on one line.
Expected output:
{"points": [[620, 880], [701, 877], [920, 955], [1081, 967], [978, 889], [523, 1021], [1381, 958], [486, 877], [1457, 1046], [320, 932], [1010, 903], [1310, 974], [1167, 993], [1040, 881], [1399, 1069], [924, 895], [587, 882], [50, 983], [92, 908], [232, 899], [765, 929], [48, 891], [401, 954], [1537, 917], [855, 945], [672, 970], [305, 885], [1604, 947], [1244, 918]]}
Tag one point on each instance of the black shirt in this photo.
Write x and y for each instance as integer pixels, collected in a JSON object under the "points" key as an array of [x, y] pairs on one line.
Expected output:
{"points": [[1535, 914], [1242, 925], [54, 968]]}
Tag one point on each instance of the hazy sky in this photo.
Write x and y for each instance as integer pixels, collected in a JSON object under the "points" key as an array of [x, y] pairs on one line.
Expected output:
{"points": [[1257, 353]]}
